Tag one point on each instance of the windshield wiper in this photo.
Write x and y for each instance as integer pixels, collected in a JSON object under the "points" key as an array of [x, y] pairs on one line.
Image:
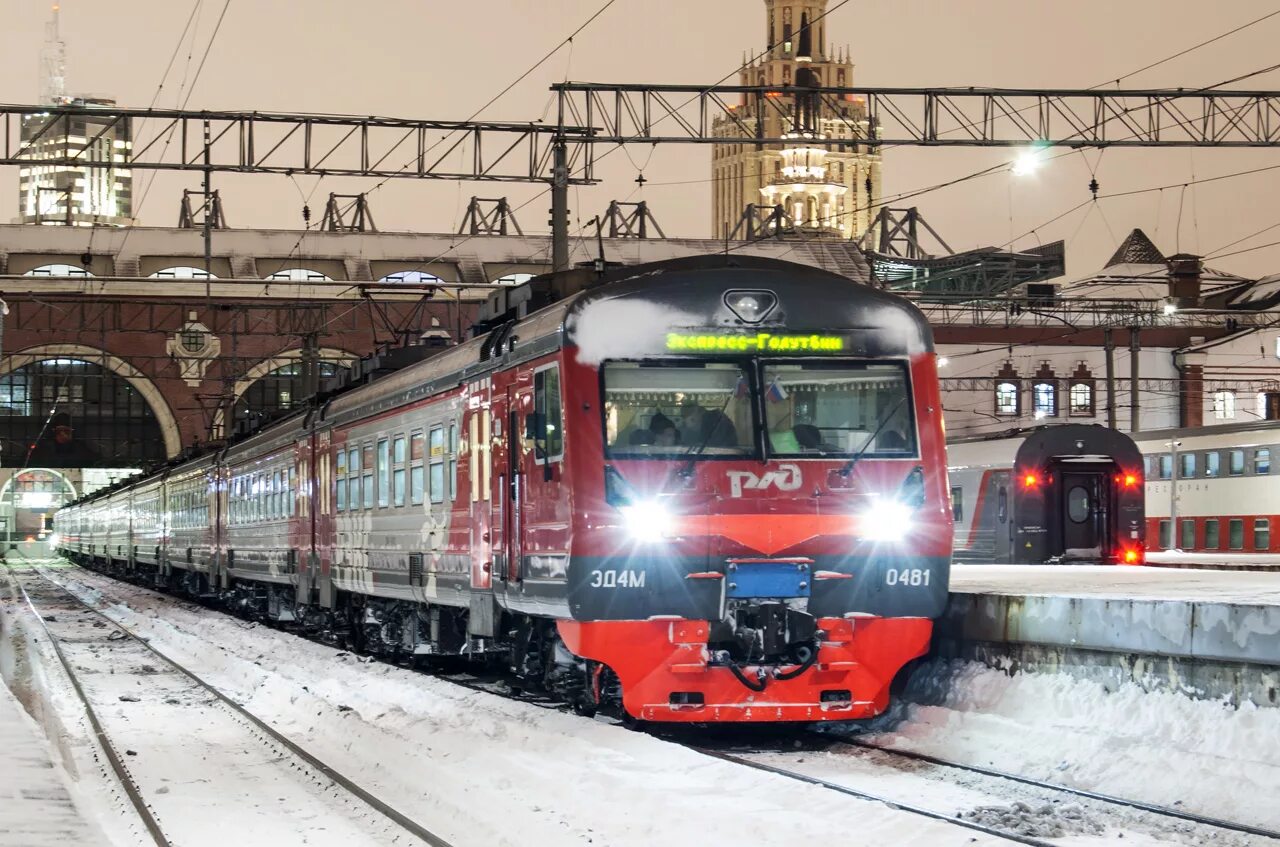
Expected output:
{"points": [[706, 437], [853, 460]]}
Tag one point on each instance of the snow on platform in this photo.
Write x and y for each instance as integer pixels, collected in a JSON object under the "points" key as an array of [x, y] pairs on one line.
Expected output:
{"points": [[1210, 633], [1217, 561], [36, 809], [1117, 582]]}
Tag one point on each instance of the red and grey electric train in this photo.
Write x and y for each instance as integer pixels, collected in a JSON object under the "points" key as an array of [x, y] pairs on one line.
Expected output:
{"points": [[1069, 493], [708, 489]]}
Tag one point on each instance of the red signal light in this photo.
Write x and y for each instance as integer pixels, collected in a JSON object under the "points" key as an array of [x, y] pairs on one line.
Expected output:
{"points": [[1030, 480], [1132, 556]]}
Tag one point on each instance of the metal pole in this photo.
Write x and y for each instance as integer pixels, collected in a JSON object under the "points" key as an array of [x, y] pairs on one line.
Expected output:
{"points": [[1135, 347], [1110, 348], [560, 207], [208, 211]]}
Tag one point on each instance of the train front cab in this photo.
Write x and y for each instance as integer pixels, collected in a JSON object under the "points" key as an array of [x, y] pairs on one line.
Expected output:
{"points": [[1078, 497]]}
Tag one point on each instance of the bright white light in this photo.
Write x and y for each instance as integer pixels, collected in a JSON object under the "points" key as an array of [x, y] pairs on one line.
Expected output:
{"points": [[886, 520], [1041, 414], [647, 521], [52, 538], [1170, 309], [943, 361], [1027, 163]]}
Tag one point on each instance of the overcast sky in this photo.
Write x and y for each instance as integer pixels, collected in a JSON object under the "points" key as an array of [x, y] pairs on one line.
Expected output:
{"points": [[433, 59]]}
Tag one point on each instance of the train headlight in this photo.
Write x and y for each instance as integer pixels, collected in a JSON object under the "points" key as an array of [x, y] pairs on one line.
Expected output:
{"points": [[886, 520], [647, 521]]}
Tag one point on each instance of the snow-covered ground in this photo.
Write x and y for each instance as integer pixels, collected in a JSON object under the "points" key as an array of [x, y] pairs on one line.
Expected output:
{"points": [[1245, 587], [1163, 748], [1222, 560], [482, 770]]}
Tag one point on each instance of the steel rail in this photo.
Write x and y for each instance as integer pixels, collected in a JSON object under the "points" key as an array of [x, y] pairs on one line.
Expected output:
{"points": [[337, 778], [875, 798], [100, 734], [1163, 811]]}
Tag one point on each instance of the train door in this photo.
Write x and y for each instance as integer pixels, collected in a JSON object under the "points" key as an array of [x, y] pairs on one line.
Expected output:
{"points": [[1001, 495], [514, 490], [1083, 510], [478, 424]]}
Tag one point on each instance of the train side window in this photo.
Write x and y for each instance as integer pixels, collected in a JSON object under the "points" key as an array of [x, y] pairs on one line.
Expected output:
{"points": [[1148, 467], [1166, 467], [1165, 534], [1235, 462], [1212, 463], [417, 474], [353, 478], [367, 463], [453, 462], [1211, 540], [397, 471], [1188, 465], [957, 503], [546, 408], [340, 466], [435, 478], [384, 473], [1002, 504], [1235, 533], [1188, 540], [1262, 461], [1262, 534]]}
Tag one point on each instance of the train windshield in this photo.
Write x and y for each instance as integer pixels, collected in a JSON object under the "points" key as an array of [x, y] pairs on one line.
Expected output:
{"points": [[677, 410], [838, 409]]}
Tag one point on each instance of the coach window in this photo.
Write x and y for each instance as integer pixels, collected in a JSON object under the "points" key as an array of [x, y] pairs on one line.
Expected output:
{"points": [[1166, 530], [1262, 461], [453, 462], [1262, 534], [1235, 462], [957, 503], [340, 471], [417, 475], [1211, 541], [384, 473], [397, 473], [435, 479], [367, 464], [1166, 466], [549, 441], [292, 493], [353, 478], [1212, 463], [1235, 533], [1188, 540], [1188, 466]]}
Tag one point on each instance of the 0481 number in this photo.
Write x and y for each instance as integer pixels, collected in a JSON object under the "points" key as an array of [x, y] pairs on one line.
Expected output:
{"points": [[907, 576]]}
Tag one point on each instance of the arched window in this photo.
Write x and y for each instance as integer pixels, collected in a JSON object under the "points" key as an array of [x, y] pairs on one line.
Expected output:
{"points": [[1008, 391], [513, 279], [281, 390], [1080, 391], [69, 413], [1224, 405], [57, 270], [412, 277], [183, 272], [299, 275], [1044, 393]]}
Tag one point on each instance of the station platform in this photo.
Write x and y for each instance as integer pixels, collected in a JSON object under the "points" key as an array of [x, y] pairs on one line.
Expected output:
{"points": [[36, 809], [1210, 633]]}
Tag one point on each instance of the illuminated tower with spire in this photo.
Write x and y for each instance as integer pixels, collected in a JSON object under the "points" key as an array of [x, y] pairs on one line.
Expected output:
{"points": [[67, 194], [823, 191]]}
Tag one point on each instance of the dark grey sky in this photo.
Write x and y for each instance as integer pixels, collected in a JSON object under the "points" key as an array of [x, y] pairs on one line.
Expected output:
{"points": [[427, 58]]}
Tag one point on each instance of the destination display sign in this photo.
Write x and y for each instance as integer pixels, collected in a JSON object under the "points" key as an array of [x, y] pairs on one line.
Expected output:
{"points": [[756, 342]]}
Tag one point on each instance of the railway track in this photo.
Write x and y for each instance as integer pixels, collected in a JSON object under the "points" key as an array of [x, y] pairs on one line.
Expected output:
{"points": [[822, 740], [79, 633], [1051, 787]]}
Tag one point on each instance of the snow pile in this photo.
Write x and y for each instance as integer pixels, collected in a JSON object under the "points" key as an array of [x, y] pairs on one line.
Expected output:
{"points": [[1164, 748], [624, 328], [1243, 587], [1037, 821]]}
